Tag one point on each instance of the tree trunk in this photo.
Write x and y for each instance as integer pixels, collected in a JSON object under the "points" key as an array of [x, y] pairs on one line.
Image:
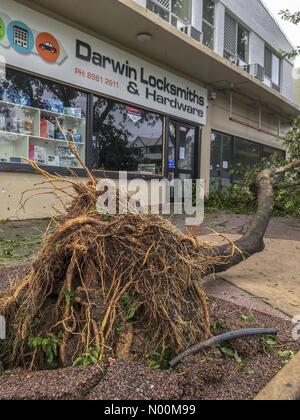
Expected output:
{"points": [[253, 241]]}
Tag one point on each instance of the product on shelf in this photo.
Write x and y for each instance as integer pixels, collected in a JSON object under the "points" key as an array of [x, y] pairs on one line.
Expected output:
{"points": [[60, 136], [66, 157], [2, 121], [15, 159], [54, 105], [28, 124], [15, 97], [16, 120], [47, 129], [61, 133], [53, 160], [75, 135], [73, 112], [37, 153]]}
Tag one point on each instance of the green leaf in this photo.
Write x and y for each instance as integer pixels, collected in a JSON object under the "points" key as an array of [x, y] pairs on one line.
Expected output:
{"points": [[248, 318], [153, 364], [286, 354], [227, 351]]}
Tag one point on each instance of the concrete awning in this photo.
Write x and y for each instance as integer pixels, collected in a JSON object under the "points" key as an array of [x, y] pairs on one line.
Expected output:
{"points": [[119, 21]]}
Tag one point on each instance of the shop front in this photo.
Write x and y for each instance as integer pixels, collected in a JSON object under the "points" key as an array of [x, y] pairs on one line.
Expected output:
{"points": [[232, 156], [122, 112]]}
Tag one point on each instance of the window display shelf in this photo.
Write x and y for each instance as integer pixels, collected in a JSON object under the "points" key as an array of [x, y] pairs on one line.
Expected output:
{"points": [[11, 104], [65, 116], [14, 136], [46, 111], [33, 111], [50, 140], [13, 146]]}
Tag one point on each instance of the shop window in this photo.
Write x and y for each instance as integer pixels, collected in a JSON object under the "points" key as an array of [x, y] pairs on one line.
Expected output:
{"points": [[221, 160], [181, 12], [247, 154], [232, 157], [29, 109], [208, 23], [176, 12], [126, 138], [236, 42], [269, 152], [159, 8], [272, 69]]}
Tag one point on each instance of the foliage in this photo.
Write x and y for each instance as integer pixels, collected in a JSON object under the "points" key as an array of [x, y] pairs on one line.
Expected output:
{"points": [[18, 249], [270, 343], [238, 197], [129, 306], [4, 374], [160, 360], [248, 318], [49, 346], [295, 19], [88, 359], [70, 295], [228, 351], [235, 198]]}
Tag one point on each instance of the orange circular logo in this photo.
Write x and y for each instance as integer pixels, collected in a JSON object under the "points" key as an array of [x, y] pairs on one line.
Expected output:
{"points": [[48, 47]]}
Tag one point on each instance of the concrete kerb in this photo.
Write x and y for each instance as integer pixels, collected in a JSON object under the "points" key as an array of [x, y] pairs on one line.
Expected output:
{"points": [[286, 384]]}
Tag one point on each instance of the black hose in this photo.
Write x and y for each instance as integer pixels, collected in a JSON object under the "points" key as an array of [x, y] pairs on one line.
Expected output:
{"points": [[214, 341]]}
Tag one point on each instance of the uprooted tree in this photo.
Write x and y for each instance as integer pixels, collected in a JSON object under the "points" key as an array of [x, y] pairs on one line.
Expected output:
{"points": [[106, 285]]}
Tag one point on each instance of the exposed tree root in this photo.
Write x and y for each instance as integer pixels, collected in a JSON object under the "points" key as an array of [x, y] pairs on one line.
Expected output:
{"points": [[98, 278], [98, 281]]}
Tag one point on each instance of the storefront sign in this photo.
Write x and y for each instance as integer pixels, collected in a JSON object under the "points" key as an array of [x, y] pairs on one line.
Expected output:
{"points": [[37, 43]]}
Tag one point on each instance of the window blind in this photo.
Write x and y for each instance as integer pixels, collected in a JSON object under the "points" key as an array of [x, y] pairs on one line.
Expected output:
{"points": [[230, 36]]}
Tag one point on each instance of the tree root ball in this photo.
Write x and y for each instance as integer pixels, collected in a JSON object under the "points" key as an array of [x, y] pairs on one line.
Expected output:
{"points": [[93, 279], [103, 286]]}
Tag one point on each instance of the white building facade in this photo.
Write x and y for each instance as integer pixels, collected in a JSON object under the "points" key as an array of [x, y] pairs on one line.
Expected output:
{"points": [[157, 88]]}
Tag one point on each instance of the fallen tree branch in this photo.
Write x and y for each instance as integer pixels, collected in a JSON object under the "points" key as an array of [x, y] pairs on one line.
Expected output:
{"points": [[253, 241], [215, 341], [287, 185]]}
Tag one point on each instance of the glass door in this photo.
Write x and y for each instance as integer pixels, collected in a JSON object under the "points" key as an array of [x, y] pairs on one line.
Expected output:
{"points": [[221, 160], [182, 151]]}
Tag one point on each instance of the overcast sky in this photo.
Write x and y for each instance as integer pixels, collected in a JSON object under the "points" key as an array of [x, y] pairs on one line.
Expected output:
{"points": [[291, 30]]}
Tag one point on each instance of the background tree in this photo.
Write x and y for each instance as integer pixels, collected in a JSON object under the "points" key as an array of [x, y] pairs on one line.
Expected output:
{"points": [[295, 19]]}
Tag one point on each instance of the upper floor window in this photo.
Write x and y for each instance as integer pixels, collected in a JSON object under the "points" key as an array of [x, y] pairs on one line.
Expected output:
{"points": [[181, 12], [176, 12], [208, 23], [272, 69], [160, 8], [236, 42]]}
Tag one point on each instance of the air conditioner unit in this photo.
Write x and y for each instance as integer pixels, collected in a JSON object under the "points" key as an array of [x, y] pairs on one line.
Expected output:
{"points": [[192, 32], [164, 3], [256, 70]]}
